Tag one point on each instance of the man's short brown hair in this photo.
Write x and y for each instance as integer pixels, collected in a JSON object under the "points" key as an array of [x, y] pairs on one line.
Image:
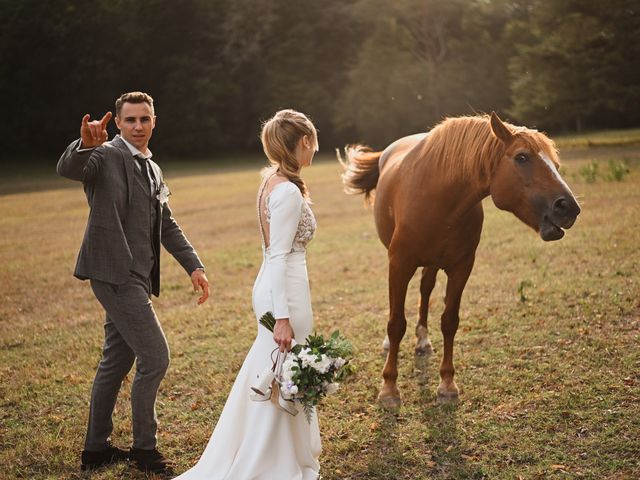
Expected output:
{"points": [[133, 97]]}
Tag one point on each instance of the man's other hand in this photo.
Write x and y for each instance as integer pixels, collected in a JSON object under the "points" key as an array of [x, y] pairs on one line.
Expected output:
{"points": [[199, 280]]}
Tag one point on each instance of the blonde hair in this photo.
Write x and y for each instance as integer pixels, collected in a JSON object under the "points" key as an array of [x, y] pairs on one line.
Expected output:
{"points": [[280, 136]]}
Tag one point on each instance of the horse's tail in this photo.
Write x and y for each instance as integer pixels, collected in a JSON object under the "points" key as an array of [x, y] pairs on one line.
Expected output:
{"points": [[361, 170]]}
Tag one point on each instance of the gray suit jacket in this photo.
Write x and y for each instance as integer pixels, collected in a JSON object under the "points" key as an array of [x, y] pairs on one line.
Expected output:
{"points": [[107, 175]]}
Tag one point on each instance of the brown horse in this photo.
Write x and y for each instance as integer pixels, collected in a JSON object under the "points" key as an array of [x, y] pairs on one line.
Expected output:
{"points": [[428, 213]]}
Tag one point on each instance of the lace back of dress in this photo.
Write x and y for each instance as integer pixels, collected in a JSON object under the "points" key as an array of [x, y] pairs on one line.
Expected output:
{"points": [[306, 225]]}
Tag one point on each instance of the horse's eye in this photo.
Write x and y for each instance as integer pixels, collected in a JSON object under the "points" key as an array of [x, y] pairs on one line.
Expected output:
{"points": [[522, 158]]}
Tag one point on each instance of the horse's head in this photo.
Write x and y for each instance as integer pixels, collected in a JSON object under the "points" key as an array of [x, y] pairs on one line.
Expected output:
{"points": [[525, 181]]}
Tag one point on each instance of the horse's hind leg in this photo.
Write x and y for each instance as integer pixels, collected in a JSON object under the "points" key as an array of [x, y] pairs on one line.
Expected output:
{"points": [[400, 272], [427, 282], [385, 344], [457, 279], [423, 344]]}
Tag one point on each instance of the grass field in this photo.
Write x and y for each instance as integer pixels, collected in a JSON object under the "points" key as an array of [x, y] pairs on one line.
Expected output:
{"points": [[547, 353]]}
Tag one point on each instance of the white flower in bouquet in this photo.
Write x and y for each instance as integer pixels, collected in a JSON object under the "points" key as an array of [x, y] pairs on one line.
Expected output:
{"points": [[323, 364], [290, 387], [289, 367], [307, 359]]}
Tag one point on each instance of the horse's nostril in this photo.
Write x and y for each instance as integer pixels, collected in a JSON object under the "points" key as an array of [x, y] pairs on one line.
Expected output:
{"points": [[560, 206], [566, 207]]}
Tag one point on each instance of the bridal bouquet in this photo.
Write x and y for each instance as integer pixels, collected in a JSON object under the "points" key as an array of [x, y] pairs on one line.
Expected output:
{"points": [[313, 369]]}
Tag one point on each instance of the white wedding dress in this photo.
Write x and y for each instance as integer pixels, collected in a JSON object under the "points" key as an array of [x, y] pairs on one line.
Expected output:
{"points": [[259, 440]]}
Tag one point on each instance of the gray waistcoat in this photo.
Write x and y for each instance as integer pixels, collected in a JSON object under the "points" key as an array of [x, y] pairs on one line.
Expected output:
{"points": [[140, 226]]}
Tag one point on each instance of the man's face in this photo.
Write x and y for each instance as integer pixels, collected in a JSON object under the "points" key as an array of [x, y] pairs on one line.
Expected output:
{"points": [[136, 122]]}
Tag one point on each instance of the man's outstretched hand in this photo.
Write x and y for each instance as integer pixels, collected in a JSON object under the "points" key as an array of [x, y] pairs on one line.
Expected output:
{"points": [[199, 280], [94, 133]]}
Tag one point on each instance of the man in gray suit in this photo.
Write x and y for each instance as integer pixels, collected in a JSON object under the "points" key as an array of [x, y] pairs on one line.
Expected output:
{"points": [[129, 218]]}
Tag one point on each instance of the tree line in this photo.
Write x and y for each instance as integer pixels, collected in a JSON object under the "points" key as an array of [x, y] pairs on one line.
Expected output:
{"points": [[364, 70]]}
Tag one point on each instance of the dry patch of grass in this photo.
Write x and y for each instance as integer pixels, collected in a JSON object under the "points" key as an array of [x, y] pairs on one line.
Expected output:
{"points": [[547, 352], [601, 138]]}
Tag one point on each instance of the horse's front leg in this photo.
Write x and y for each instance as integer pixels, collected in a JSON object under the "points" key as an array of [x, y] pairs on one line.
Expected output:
{"points": [[427, 282], [456, 281], [400, 272]]}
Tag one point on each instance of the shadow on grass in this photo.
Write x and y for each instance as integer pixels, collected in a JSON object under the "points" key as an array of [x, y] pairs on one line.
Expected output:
{"points": [[443, 439], [385, 453], [423, 436]]}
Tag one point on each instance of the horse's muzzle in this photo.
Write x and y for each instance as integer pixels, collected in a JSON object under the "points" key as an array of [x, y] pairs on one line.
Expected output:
{"points": [[562, 215]]}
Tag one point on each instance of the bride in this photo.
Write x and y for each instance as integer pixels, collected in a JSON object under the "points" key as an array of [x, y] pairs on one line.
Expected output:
{"points": [[259, 440]]}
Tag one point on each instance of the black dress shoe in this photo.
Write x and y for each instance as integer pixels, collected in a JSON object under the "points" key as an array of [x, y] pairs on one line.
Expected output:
{"points": [[150, 460], [111, 454]]}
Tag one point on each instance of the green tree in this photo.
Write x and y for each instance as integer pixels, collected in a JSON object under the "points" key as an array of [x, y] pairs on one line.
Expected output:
{"points": [[369, 70], [424, 60], [290, 56], [575, 62]]}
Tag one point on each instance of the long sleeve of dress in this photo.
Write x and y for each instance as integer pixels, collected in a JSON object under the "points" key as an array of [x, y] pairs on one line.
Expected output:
{"points": [[285, 207]]}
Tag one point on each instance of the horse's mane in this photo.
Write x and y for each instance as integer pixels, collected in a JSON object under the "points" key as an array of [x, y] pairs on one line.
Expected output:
{"points": [[466, 148]]}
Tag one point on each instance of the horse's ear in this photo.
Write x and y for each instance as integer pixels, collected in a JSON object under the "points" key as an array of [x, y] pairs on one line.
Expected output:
{"points": [[499, 129]]}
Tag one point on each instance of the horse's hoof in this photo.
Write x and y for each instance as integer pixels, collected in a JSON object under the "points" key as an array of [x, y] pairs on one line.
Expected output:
{"points": [[424, 348], [448, 395], [447, 399], [390, 402]]}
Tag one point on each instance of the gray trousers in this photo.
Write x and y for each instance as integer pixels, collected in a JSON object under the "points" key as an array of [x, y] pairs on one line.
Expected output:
{"points": [[131, 332]]}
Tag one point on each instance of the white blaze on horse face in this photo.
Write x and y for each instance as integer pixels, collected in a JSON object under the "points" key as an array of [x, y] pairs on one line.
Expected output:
{"points": [[553, 169]]}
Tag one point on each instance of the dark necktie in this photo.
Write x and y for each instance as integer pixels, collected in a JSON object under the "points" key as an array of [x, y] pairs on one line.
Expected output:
{"points": [[144, 167]]}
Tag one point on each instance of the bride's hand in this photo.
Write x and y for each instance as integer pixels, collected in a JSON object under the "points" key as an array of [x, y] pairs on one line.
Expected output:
{"points": [[283, 334]]}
